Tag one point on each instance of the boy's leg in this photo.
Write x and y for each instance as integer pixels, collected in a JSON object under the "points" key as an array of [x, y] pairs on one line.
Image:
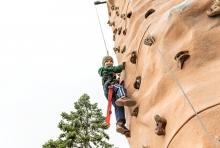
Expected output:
{"points": [[123, 100], [119, 90], [119, 114], [119, 110], [120, 118]]}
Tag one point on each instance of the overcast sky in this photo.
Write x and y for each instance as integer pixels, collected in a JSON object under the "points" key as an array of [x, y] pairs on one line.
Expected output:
{"points": [[50, 52]]}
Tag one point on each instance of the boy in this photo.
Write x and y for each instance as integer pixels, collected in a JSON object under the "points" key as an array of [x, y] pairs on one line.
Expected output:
{"points": [[107, 72]]}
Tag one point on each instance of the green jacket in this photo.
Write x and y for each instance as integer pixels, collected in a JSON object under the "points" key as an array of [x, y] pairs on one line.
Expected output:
{"points": [[106, 71]]}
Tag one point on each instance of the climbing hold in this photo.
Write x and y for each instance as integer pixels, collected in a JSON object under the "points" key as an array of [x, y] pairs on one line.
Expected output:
{"points": [[214, 9], [113, 38], [123, 49], [117, 49], [113, 7], [129, 14], [109, 22], [181, 57], [123, 16], [119, 30], [124, 63], [118, 78], [115, 31], [116, 8], [109, 13], [125, 32], [137, 82], [122, 83], [148, 41], [112, 24], [149, 12], [133, 57], [135, 112], [160, 125], [180, 53], [117, 13]]}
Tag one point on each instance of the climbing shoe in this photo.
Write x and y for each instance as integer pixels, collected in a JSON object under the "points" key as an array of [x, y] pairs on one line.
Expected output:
{"points": [[120, 128], [125, 101]]}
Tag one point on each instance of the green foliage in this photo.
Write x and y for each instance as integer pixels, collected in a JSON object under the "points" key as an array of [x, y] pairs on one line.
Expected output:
{"points": [[83, 128]]}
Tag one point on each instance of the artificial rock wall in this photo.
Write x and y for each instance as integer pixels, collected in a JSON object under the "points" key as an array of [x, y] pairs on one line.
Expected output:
{"points": [[168, 45]]}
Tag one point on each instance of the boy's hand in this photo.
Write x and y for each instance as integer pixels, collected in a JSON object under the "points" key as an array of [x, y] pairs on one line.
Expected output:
{"points": [[124, 63]]}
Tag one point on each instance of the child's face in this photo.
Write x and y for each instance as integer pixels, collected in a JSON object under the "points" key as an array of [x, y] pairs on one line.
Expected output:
{"points": [[109, 63]]}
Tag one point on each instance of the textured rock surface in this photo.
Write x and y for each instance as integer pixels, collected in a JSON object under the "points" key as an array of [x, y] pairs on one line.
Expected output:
{"points": [[175, 25]]}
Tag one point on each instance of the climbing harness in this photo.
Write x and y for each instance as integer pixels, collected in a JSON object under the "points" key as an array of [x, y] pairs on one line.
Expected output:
{"points": [[96, 3], [109, 79], [109, 107], [175, 78]]}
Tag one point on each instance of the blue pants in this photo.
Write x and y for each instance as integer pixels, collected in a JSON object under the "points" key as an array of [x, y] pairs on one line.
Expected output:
{"points": [[118, 91]]}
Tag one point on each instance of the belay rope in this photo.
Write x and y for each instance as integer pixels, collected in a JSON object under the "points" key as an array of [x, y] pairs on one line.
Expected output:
{"points": [[96, 3], [109, 108], [110, 88]]}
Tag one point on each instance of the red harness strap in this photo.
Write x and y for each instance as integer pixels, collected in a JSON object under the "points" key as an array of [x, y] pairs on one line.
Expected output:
{"points": [[109, 111]]}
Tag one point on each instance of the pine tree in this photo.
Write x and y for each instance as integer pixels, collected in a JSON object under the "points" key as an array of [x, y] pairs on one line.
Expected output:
{"points": [[83, 128]]}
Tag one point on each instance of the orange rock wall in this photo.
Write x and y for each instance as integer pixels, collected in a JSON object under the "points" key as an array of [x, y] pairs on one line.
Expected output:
{"points": [[176, 25]]}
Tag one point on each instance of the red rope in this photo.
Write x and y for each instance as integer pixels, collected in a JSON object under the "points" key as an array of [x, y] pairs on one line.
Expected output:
{"points": [[109, 111]]}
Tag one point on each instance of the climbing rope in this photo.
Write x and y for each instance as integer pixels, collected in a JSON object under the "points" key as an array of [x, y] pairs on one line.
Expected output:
{"points": [[175, 77], [100, 25]]}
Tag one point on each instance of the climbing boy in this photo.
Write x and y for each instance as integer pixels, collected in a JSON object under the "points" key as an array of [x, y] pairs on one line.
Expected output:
{"points": [[120, 99]]}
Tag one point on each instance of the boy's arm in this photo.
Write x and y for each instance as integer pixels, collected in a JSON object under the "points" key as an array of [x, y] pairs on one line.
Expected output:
{"points": [[100, 71], [115, 69]]}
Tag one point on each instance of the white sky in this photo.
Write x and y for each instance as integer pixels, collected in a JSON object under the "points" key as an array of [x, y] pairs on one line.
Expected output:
{"points": [[50, 52]]}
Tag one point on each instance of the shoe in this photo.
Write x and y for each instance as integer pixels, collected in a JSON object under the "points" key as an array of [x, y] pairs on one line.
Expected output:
{"points": [[125, 101], [120, 128]]}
